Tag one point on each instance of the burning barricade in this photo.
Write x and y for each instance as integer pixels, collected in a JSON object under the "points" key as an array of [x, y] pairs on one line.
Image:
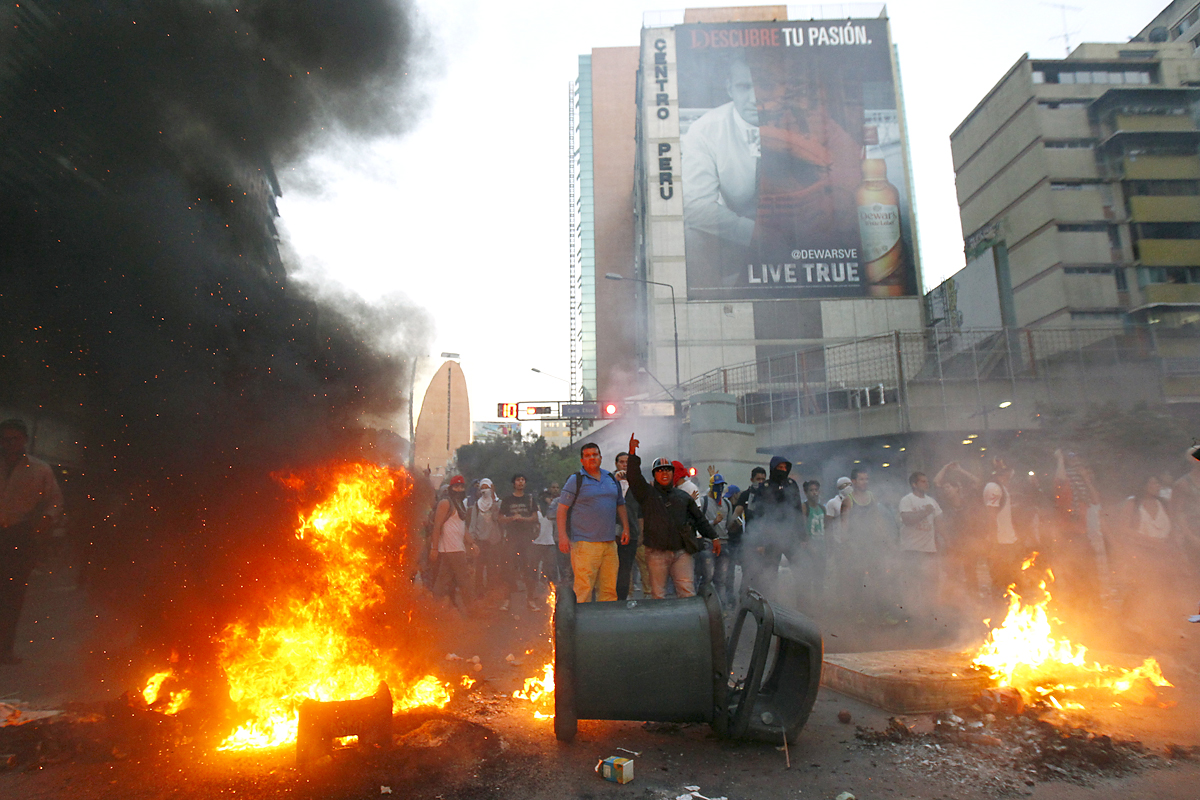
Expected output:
{"points": [[1024, 653]]}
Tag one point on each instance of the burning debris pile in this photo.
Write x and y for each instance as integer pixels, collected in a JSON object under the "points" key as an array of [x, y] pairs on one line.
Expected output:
{"points": [[335, 629], [1029, 726], [1024, 653], [318, 640]]}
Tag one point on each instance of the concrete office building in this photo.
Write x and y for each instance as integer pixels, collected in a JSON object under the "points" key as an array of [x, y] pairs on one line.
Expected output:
{"points": [[1178, 22], [801, 279], [1085, 171]]}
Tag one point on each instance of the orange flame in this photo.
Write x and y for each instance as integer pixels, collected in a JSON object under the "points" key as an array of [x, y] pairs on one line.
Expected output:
{"points": [[1024, 653], [539, 690], [309, 646], [175, 701]]}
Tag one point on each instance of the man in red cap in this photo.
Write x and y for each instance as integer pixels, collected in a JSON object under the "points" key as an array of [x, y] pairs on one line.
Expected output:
{"points": [[449, 544]]}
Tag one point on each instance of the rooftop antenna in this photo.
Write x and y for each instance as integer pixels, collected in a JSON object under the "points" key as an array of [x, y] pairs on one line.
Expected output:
{"points": [[1066, 34]]}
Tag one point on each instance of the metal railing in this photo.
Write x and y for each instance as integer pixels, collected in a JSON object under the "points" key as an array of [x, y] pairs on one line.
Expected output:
{"points": [[933, 378]]}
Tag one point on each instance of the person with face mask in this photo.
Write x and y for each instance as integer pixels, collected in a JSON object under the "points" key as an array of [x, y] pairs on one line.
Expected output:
{"points": [[774, 525], [670, 518], [484, 526], [450, 543]]}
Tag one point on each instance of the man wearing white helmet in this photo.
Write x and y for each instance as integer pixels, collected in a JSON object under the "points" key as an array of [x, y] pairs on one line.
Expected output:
{"points": [[670, 520]]}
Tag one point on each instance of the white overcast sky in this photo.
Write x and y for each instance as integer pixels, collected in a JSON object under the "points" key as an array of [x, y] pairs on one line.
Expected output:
{"points": [[466, 214]]}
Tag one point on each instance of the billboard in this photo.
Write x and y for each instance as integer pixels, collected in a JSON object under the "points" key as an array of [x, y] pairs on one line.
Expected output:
{"points": [[970, 298], [779, 145]]}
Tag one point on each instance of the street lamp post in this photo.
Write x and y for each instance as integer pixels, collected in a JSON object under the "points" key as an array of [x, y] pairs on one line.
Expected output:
{"points": [[612, 276]]}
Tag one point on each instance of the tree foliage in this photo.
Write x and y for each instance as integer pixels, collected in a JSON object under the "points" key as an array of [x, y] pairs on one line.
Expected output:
{"points": [[540, 462]]}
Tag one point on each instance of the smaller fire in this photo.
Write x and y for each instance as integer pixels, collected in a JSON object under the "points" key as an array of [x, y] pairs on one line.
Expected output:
{"points": [[175, 701], [539, 690], [428, 691], [1024, 653]]}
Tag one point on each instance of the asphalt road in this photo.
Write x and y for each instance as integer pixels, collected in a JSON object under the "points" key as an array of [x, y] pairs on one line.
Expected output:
{"points": [[487, 745]]}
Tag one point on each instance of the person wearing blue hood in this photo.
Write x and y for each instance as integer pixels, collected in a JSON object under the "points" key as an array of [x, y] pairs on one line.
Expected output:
{"points": [[774, 525]]}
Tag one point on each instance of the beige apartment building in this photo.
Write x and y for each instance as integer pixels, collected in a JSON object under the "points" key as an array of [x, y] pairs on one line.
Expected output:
{"points": [[1086, 169]]}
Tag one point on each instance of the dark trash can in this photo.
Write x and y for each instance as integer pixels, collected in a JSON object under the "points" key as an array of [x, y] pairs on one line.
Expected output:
{"points": [[642, 660], [783, 676], [668, 661]]}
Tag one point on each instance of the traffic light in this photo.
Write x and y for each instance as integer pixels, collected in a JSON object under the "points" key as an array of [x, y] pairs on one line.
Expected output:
{"points": [[506, 410], [610, 410]]}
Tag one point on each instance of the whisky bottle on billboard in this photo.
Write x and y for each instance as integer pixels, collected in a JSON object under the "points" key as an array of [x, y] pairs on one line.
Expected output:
{"points": [[882, 253]]}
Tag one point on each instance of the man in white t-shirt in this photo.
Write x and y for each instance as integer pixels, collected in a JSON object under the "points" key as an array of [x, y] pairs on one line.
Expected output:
{"points": [[918, 547], [1004, 553]]}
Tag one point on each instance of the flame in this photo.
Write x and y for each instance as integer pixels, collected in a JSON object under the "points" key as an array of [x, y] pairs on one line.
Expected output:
{"points": [[175, 700], [1024, 653], [428, 691], [309, 645], [539, 690]]}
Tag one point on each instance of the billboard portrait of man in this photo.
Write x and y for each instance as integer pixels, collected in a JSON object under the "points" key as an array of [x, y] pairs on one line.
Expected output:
{"points": [[793, 174]]}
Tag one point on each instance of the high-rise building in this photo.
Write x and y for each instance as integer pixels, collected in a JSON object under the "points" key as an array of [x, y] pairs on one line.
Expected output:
{"points": [[602, 236], [1084, 172], [744, 180]]}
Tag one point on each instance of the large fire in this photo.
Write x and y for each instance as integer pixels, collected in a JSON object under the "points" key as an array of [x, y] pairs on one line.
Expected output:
{"points": [[1025, 654], [312, 642]]}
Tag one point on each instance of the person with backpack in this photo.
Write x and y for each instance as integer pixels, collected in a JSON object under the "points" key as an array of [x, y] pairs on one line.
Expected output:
{"points": [[591, 500], [670, 520]]}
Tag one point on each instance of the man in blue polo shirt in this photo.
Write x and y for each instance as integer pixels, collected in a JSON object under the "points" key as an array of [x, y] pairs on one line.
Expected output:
{"points": [[592, 499]]}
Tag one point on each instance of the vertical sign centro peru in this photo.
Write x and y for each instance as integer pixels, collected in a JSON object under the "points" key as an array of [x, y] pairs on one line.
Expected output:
{"points": [[776, 163], [661, 126]]}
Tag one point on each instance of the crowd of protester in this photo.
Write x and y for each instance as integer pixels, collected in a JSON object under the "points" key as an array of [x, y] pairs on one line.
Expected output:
{"points": [[945, 552]]}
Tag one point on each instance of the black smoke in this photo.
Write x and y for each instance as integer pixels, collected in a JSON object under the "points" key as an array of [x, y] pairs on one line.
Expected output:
{"points": [[143, 301]]}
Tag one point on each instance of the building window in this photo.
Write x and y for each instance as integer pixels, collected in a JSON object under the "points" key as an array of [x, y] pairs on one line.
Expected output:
{"points": [[1056, 104], [1098, 314], [1039, 76], [1083, 227], [1071, 144], [1115, 74], [1147, 276], [1072, 186], [1168, 230], [1117, 273], [1162, 188]]}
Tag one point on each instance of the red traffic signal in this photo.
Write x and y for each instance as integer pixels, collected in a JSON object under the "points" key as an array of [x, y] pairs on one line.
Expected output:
{"points": [[610, 410]]}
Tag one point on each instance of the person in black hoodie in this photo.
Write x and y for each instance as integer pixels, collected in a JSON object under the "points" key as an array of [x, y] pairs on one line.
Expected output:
{"points": [[774, 525], [669, 521]]}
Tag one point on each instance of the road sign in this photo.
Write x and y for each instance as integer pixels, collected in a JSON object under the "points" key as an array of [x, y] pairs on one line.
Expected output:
{"points": [[581, 410], [656, 408]]}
